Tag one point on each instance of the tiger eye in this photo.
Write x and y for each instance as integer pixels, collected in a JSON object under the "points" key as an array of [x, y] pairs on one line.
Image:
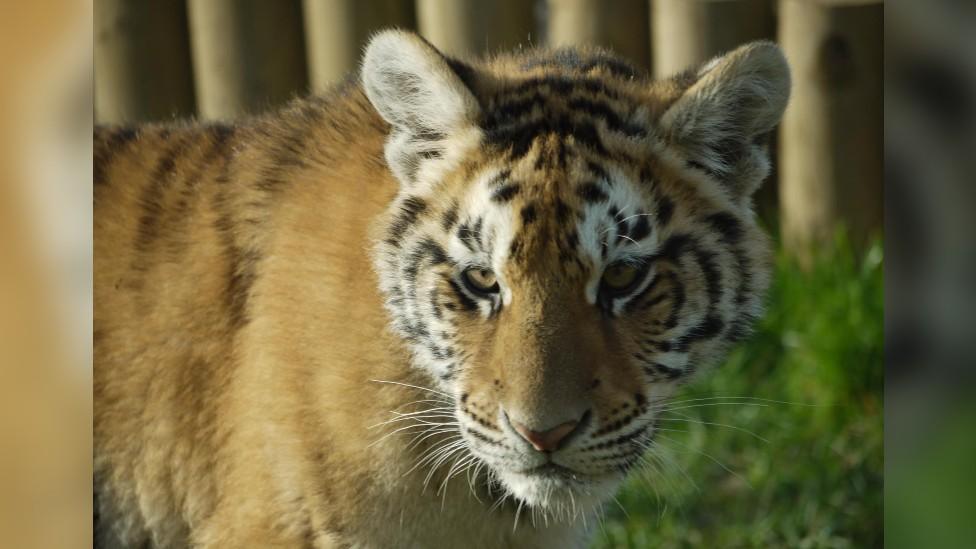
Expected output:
{"points": [[481, 280], [619, 276]]}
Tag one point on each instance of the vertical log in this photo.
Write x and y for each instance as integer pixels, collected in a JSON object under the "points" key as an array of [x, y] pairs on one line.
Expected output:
{"points": [[831, 137], [467, 28], [248, 55], [621, 25], [689, 32], [337, 30], [142, 61]]}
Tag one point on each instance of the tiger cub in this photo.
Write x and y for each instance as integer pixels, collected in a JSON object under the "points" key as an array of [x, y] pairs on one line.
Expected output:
{"points": [[440, 306]]}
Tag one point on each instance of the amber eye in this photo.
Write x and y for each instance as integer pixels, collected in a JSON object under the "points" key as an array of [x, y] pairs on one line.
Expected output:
{"points": [[481, 281], [619, 277]]}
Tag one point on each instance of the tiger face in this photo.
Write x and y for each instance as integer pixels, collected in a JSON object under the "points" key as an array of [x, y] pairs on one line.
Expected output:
{"points": [[570, 243]]}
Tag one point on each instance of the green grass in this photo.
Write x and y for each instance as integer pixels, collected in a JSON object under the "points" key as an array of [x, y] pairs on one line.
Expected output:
{"points": [[817, 479]]}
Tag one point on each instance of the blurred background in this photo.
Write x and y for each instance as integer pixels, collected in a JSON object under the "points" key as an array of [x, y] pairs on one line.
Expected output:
{"points": [[789, 450]]}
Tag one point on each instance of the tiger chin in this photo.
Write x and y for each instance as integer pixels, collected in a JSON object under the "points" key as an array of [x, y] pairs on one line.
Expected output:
{"points": [[441, 305]]}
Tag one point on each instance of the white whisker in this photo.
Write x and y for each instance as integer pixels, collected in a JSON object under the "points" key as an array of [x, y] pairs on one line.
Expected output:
{"points": [[414, 387], [717, 462], [687, 419]]}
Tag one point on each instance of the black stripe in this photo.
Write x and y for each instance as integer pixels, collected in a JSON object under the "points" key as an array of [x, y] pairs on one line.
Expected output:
{"points": [[428, 134], [467, 303], [242, 264], [219, 135], [505, 193], [562, 211], [726, 225], [151, 199], [730, 232], [467, 236], [679, 302], [109, 142], [507, 110], [665, 209], [435, 305], [515, 248], [432, 250], [528, 214], [571, 240], [712, 325], [674, 247], [519, 138], [599, 171], [642, 228], [592, 193], [656, 369], [743, 266], [429, 154], [636, 300], [410, 210], [561, 85], [678, 245], [178, 214], [482, 437], [713, 277], [706, 329], [450, 217], [500, 178], [603, 111]]}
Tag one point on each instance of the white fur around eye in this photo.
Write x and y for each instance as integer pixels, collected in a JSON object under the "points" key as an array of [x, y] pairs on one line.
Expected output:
{"points": [[497, 223], [594, 230]]}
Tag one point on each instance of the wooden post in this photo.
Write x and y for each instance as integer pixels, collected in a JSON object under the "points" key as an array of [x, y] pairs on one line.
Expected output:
{"points": [[467, 28], [831, 137], [337, 30], [248, 55], [689, 32], [621, 25], [142, 61]]}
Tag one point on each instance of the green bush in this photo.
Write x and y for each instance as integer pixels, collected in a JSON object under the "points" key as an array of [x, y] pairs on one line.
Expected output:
{"points": [[798, 458]]}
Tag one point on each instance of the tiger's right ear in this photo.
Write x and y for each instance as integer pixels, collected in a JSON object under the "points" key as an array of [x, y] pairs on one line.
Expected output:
{"points": [[415, 89]]}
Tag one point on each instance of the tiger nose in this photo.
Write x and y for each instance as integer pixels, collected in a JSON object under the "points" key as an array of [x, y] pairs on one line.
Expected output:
{"points": [[549, 440]]}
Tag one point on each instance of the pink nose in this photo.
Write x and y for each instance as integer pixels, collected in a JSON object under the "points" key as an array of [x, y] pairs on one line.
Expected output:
{"points": [[546, 441]]}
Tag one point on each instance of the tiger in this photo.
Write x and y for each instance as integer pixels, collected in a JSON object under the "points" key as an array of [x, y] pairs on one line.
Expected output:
{"points": [[441, 305]]}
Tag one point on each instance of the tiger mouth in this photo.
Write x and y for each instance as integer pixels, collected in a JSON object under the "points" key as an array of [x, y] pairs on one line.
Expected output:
{"points": [[552, 470]]}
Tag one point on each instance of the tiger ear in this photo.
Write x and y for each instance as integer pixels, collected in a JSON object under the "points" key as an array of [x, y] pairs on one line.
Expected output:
{"points": [[414, 88], [721, 120]]}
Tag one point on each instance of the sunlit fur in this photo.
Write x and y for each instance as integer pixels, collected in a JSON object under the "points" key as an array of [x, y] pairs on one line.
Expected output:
{"points": [[287, 354]]}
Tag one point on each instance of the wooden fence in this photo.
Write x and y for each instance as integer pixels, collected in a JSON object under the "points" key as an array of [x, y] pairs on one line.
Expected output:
{"points": [[218, 59]]}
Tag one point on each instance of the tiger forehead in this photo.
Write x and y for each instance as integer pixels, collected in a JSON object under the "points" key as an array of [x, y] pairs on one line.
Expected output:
{"points": [[552, 173], [553, 209], [580, 111], [571, 93]]}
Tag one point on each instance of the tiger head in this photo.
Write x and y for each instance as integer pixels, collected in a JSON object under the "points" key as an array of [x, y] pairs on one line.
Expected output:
{"points": [[570, 242]]}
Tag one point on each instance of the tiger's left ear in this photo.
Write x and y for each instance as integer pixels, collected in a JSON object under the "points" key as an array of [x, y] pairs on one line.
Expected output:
{"points": [[415, 88], [720, 122]]}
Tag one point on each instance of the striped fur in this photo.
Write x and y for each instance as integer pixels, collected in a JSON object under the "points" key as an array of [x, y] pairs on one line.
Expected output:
{"points": [[269, 291]]}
